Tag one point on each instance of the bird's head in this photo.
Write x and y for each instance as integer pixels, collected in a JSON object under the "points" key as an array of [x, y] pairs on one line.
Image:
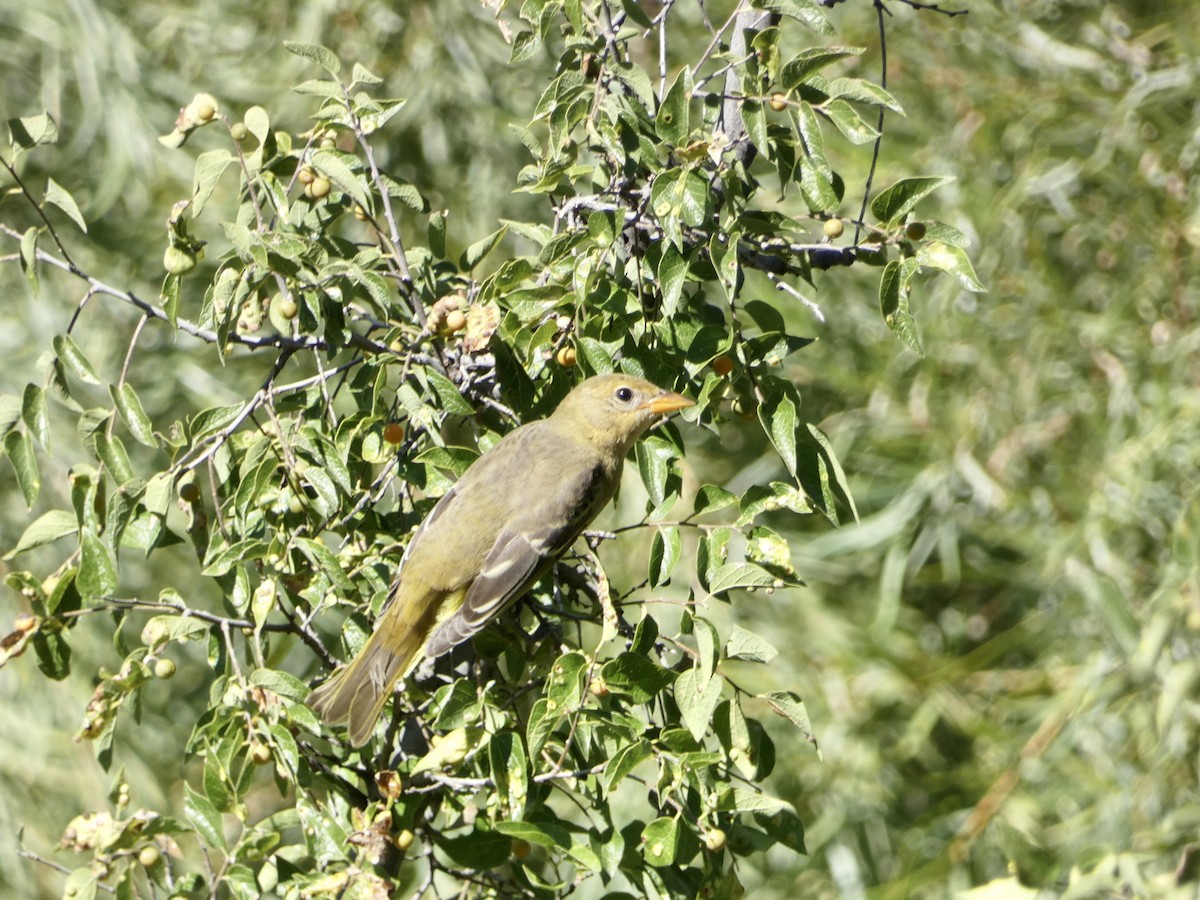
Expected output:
{"points": [[617, 409]]}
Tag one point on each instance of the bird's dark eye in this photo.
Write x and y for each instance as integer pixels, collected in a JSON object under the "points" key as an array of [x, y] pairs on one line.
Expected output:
{"points": [[624, 394]]}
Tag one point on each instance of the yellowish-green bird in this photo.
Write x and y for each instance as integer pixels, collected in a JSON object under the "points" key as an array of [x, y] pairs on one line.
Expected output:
{"points": [[499, 529]]}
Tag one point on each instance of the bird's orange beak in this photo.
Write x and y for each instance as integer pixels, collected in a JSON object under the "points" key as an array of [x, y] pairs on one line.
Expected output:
{"points": [[667, 402]]}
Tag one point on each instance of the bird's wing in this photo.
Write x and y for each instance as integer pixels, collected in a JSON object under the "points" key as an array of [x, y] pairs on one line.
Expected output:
{"points": [[523, 552]]}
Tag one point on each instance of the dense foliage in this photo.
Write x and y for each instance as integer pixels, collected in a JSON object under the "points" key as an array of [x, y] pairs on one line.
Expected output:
{"points": [[999, 658]]}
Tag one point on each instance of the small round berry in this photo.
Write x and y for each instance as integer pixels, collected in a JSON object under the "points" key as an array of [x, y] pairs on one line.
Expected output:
{"points": [[164, 668], [834, 228], [779, 102], [915, 231], [722, 365], [566, 356], [393, 432], [715, 840], [320, 188]]}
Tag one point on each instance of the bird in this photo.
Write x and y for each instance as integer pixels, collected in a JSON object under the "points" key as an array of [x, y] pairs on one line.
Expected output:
{"points": [[501, 527]]}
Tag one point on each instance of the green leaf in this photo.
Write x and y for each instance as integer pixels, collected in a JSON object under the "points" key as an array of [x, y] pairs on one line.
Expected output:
{"points": [[82, 883], [779, 415], [711, 498], [739, 576], [53, 651], [665, 548], [284, 684], [654, 458], [29, 257], [672, 273], [566, 683], [766, 498], [671, 121], [480, 850], [475, 253], [544, 834], [893, 301], [97, 577], [660, 841], [452, 401], [335, 166], [707, 642], [807, 11], [47, 528], [892, 204], [860, 91], [35, 415], [20, 453], [635, 676], [953, 260], [506, 757], [624, 761], [112, 452], [541, 722], [132, 413], [744, 644], [458, 705], [797, 70], [204, 817], [739, 799], [30, 131], [849, 122], [320, 55], [73, 360], [525, 45], [697, 695], [821, 474], [769, 550], [791, 707], [57, 195], [210, 166]]}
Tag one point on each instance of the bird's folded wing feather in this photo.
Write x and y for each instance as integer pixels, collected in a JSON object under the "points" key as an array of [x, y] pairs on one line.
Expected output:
{"points": [[523, 552]]}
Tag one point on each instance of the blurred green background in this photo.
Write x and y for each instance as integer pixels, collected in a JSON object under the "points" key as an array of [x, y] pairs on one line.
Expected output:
{"points": [[1000, 660]]}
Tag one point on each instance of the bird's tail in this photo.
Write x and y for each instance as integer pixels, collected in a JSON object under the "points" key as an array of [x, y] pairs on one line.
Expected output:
{"points": [[357, 693]]}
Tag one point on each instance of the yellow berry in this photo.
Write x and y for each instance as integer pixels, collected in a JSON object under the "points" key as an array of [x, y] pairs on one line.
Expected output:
{"points": [[404, 839], [566, 356], [456, 320], [164, 669], [260, 753], [288, 308], [238, 131], [834, 228], [320, 188], [715, 840], [307, 175], [148, 856], [779, 102]]}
